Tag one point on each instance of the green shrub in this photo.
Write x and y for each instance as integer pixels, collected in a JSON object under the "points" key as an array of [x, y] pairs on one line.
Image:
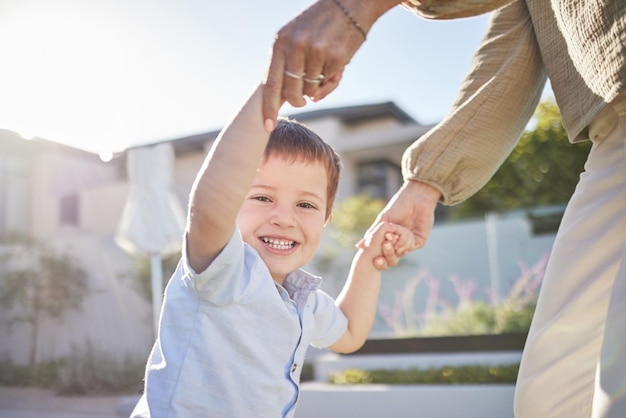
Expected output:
{"points": [[448, 375], [42, 375], [86, 372], [91, 372], [141, 277], [480, 318]]}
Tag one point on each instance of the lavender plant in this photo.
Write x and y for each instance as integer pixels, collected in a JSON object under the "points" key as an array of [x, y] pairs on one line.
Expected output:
{"points": [[468, 314]]}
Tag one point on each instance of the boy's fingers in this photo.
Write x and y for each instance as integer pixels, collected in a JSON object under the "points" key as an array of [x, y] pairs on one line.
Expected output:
{"points": [[404, 242], [389, 254], [380, 263]]}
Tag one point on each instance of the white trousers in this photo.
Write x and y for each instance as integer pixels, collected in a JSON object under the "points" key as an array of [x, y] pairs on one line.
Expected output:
{"points": [[574, 361]]}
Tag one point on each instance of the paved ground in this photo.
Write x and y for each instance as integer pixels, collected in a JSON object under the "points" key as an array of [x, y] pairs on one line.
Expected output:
{"points": [[38, 403]]}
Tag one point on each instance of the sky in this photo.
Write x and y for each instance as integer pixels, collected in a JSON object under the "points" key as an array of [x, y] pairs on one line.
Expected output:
{"points": [[105, 75]]}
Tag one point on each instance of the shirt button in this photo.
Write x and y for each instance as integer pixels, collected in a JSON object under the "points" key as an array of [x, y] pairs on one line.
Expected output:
{"points": [[294, 367]]}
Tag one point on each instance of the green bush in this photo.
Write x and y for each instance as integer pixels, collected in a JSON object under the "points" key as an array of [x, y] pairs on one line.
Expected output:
{"points": [[91, 372], [479, 318], [141, 278], [86, 372], [448, 375], [42, 375]]}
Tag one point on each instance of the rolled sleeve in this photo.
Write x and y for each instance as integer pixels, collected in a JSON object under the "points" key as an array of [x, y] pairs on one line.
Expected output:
{"points": [[452, 9], [225, 281]]}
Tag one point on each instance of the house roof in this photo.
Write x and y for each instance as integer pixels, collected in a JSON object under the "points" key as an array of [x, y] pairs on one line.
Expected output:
{"points": [[12, 142], [352, 114], [346, 114]]}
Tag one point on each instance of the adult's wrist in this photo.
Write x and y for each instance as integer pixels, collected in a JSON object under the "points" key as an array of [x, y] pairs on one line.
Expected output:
{"points": [[367, 12], [423, 191]]}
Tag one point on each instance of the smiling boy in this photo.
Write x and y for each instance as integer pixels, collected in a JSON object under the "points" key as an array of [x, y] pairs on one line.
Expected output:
{"points": [[239, 313]]}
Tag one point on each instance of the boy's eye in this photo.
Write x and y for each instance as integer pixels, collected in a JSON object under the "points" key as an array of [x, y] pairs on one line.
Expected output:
{"points": [[307, 205], [261, 198]]}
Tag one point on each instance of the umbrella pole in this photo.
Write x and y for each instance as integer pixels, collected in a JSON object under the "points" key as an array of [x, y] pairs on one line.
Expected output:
{"points": [[156, 270]]}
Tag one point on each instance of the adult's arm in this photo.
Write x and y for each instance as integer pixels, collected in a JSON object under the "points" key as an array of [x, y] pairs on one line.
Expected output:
{"points": [[494, 104], [459, 155]]}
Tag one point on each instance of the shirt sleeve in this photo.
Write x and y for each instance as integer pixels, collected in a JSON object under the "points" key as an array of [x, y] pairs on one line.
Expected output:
{"points": [[227, 278], [452, 9], [495, 102], [330, 321]]}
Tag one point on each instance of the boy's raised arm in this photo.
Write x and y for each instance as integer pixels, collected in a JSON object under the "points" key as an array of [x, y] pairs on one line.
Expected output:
{"points": [[222, 183]]}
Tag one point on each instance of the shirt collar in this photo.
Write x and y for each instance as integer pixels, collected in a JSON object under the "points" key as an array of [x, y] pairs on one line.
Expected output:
{"points": [[299, 284]]}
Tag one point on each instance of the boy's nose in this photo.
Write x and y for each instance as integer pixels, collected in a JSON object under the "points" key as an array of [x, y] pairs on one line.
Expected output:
{"points": [[282, 216]]}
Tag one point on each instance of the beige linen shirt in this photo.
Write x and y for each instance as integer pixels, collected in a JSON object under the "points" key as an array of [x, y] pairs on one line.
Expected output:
{"points": [[580, 45]]}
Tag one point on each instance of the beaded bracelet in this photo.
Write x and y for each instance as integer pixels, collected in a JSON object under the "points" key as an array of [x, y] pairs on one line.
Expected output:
{"points": [[350, 18]]}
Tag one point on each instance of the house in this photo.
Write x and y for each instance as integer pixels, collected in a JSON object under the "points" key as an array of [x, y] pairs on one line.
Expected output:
{"points": [[73, 201]]}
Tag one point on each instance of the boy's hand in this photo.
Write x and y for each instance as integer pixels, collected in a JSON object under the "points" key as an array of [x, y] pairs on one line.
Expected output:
{"points": [[394, 242], [413, 206]]}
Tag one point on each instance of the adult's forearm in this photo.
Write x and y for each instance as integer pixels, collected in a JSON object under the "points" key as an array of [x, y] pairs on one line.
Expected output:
{"points": [[367, 12]]}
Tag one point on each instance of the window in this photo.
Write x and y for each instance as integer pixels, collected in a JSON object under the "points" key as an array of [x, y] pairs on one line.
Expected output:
{"points": [[379, 179]]}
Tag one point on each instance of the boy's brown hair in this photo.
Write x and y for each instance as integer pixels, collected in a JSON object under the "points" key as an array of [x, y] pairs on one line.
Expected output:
{"points": [[294, 140]]}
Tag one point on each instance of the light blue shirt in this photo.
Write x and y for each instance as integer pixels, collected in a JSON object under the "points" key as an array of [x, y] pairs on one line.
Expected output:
{"points": [[232, 341]]}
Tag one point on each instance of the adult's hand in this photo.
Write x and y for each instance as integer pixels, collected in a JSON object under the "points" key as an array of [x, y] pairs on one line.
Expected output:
{"points": [[320, 41], [413, 206]]}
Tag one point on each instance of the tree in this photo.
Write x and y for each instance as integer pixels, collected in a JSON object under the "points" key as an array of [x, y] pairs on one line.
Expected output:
{"points": [[36, 280], [543, 169], [353, 216]]}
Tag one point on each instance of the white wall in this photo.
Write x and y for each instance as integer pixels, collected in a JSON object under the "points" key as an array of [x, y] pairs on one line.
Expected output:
{"points": [[114, 318]]}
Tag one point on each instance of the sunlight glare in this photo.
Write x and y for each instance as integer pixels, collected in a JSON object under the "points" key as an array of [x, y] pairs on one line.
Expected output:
{"points": [[65, 75], [106, 156]]}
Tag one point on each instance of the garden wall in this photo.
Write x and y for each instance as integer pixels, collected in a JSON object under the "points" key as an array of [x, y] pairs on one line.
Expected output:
{"points": [[321, 399]]}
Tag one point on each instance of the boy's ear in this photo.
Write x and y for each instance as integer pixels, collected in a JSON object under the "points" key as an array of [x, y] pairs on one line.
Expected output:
{"points": [[328, 219]]}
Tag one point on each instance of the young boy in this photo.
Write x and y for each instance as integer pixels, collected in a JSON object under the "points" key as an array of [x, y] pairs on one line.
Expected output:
{"points": [[239, 313]]}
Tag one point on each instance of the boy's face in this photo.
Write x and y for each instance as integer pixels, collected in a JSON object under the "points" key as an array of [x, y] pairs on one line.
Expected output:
{"points": [[284, 213]]}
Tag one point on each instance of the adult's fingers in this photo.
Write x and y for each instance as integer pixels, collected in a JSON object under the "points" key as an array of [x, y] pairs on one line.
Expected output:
{"points": [[325, 62], [282, 83], [315, 72], [293, 76], [327, 87], [272, 92]]}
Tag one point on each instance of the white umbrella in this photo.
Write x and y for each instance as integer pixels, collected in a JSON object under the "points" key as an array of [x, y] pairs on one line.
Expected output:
{"points": [[153, 219]]}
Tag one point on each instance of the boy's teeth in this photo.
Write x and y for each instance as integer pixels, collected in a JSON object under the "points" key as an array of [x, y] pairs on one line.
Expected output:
{"points": [[281, 244]]}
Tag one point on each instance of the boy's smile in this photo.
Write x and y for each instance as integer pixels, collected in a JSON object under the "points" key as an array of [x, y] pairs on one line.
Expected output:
{"points": [[284, 213], [278, 244]]}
